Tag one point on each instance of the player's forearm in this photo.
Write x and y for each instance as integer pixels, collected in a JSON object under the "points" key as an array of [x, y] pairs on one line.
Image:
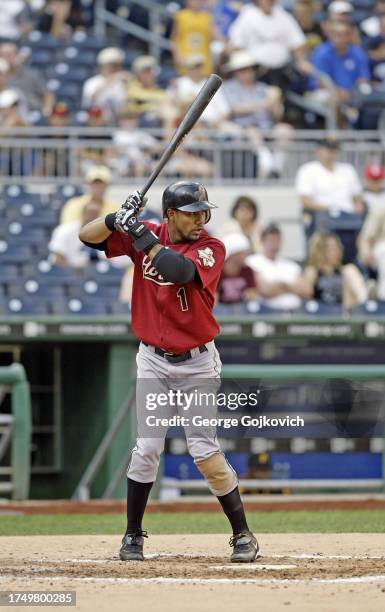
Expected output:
{"points": [[155, 250], [94, 232]]}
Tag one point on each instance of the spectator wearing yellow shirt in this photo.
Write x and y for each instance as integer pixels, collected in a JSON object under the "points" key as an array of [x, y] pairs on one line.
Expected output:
{"points": [[145, 99], [98, 178], [192, 34]]}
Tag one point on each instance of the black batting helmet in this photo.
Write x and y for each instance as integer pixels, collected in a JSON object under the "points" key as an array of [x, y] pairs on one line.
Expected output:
{"points": [[186, 196]]}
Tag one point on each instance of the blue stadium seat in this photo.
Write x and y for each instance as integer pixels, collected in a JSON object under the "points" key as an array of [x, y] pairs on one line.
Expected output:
{"points": [[245, 308], [18, 233], [8, 272], [13, 192], [47, 273], [104, 273], [86, 41], [92, 289], [41, 58], [75, 306], [80, 57], [34, 288], [14, 254], [65, 192], [167, 73], [131, 55], [32, 216], [65, 72], [42, 40], [313, 307], [16, 306], [371, 307], [117, 308]]}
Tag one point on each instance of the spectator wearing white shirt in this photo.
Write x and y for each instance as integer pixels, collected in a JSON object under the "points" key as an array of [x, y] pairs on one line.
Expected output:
{"points": [[185, 88], [65, 247], [15, 19], [108, 88], [326, 184], [375, 24], [275, 274], [270, 33]]}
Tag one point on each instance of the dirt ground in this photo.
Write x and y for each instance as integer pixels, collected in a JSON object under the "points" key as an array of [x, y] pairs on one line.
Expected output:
{"points": [[302, 572]]}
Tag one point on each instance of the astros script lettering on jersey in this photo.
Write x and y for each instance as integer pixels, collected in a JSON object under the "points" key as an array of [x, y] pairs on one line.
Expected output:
{"points": [[172, 316]]}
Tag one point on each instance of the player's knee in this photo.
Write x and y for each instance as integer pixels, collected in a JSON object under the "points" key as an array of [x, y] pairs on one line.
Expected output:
{"points": [[144, 460], [218, 473]]}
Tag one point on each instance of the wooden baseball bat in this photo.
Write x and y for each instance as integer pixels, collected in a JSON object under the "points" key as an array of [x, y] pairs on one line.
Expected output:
{"points": [[192, 115]]}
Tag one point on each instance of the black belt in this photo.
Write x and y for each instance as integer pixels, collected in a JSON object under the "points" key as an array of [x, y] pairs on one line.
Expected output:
{"points": [[173, 357]]}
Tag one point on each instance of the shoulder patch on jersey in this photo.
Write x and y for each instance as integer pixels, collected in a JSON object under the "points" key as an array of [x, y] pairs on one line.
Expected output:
{"points": [[206, 257]]}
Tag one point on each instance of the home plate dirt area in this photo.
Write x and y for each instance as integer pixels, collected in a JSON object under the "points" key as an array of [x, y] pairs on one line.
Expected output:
{"points": [[192, 572]]}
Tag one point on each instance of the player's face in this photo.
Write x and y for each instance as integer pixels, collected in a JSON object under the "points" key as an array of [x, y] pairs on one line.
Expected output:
{"points": [[185, 226]]}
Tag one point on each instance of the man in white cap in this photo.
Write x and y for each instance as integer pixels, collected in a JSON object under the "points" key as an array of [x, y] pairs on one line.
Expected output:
{"points": [[108, 88], [270, 33], [10, 113], [98, 178]]}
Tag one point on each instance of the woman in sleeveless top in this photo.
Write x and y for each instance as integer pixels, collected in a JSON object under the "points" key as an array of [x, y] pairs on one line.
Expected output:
{"points": [[326, 279]]}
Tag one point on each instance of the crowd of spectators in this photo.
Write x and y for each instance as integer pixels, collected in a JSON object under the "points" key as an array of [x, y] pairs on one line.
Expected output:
{"points": [[55, 72], [264, 51]]}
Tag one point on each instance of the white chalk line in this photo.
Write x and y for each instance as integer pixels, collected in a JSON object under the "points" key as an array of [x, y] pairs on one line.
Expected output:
{"points": [[251, 566], [206, 556], [162, 580]]}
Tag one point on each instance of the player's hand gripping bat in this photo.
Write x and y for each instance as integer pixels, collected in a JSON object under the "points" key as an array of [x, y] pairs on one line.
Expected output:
{"points": [[127, 215]]}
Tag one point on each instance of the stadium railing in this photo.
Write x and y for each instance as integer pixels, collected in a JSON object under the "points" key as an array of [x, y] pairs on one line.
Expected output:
{"points": [[155, 13], [292, 373], [29, 154], [16, 431]]}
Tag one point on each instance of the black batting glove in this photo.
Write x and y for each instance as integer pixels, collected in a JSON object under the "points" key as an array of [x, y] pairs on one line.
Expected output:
{"points": [[120, 220], [143, 238]]}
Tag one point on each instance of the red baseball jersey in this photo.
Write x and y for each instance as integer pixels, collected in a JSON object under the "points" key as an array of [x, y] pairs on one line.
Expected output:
{"points": [[172, 316]]}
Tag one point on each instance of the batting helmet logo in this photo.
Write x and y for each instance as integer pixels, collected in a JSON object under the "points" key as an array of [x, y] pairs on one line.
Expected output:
{"points": [[187, 196]]}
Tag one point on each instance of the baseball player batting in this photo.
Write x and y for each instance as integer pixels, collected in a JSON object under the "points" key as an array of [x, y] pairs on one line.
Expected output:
{"points": [[177, 268]]}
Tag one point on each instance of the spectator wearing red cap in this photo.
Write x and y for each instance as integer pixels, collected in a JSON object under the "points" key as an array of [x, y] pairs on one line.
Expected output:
{"points": [[371, 241], [374, 191]]}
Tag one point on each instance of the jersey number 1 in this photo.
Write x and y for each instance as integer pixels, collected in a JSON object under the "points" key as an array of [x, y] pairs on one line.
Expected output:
{"points": [[181, 293]]}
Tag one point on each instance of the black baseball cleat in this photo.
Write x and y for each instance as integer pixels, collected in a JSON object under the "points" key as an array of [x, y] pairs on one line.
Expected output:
{"points": [[245, 547], [132, 546]]}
